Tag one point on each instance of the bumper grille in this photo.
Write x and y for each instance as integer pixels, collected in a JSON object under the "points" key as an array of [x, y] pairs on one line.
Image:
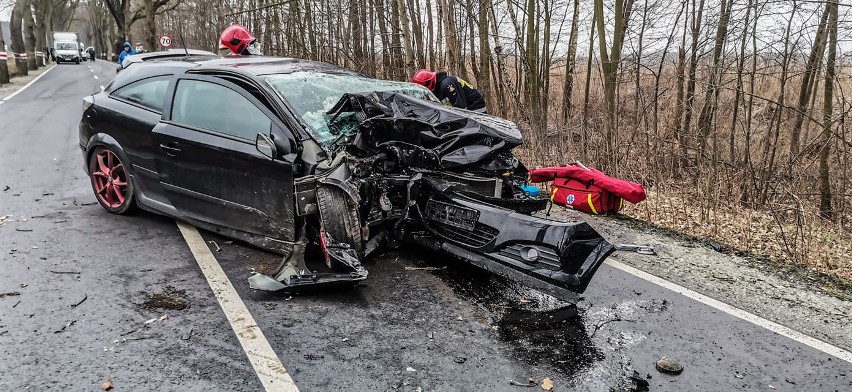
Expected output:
{"points": [[480, 236]]}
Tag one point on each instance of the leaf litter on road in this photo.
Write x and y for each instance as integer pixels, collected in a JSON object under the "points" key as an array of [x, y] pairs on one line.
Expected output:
{"points": [[107, 385]]}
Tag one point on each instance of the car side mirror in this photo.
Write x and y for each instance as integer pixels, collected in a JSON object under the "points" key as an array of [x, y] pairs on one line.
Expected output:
{"points": [[265, 145]]}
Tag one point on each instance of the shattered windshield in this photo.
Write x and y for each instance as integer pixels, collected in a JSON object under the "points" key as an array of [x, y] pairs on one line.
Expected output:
{"points": [[312, 94]]}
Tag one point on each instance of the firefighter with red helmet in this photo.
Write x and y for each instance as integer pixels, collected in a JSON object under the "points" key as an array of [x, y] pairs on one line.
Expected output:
{"points": [[451, 89], [239, 40]]}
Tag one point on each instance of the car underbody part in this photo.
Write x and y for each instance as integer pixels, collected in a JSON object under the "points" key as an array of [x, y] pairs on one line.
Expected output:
{"points": [[294, 275], [640, 249], [417, 172]]}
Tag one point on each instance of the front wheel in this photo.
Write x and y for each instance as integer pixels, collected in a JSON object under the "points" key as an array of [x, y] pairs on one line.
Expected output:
{"points": [[110, 182], [339, 219]]}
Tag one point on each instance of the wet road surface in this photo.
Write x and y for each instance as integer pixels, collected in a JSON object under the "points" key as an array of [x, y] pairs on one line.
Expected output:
{"points": [[90, 295]]}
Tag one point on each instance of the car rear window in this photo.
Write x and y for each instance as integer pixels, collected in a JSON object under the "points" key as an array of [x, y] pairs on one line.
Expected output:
{"points": [[149, 93]]}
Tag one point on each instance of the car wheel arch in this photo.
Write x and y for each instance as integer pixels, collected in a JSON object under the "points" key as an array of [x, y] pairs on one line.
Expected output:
{"points": [[105, 140]]}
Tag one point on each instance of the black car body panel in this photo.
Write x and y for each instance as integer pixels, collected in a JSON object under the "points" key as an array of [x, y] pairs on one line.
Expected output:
{"points": [[207, 140]]}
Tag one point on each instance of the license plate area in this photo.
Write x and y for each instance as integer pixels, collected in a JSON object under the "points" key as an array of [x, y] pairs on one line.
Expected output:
{"points": [[451, 214]]}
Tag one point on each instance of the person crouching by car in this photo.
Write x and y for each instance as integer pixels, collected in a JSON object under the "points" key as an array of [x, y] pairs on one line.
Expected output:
{"points": [[451, 89], [127, 50]]}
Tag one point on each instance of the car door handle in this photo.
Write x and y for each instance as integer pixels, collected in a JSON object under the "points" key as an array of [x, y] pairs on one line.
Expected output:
{"points": [[171, 148]]}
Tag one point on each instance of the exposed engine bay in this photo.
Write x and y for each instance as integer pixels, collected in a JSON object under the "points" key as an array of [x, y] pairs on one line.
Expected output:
{"points": [[408, 171]]}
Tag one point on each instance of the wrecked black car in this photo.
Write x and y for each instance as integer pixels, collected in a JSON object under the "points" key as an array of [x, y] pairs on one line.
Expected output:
{"points": [[316, 162]]}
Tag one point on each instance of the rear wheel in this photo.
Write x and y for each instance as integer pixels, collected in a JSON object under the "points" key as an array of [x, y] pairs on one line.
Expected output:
{"points": [[339, 219], [110, 182]]}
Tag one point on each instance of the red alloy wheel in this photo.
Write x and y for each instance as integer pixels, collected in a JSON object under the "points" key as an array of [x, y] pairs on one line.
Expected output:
{"points": [[109, 180]]}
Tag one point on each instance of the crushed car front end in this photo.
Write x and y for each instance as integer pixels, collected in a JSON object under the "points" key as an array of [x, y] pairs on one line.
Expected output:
{"points": [[415, 171]]}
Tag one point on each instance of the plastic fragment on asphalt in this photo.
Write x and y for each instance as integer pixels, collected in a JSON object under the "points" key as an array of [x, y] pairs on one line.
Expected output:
{"points": [[410, 369], [547, 384], [669, 366], [107, 385], [641, 384]]}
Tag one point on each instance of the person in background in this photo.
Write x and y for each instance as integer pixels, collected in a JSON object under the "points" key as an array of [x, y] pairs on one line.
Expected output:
{"points": [[127, 51], [91, 52], [451, 89]]}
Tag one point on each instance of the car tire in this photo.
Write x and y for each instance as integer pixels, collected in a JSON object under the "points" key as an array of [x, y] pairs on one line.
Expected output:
{"points": [[339, 219], [110, 181]]}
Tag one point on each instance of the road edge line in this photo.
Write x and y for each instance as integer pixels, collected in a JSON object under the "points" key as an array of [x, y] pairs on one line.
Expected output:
{"points": [[265, 362], [809, 341], [8, 97]]}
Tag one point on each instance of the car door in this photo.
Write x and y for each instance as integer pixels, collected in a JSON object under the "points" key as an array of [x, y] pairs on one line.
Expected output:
{"points": [[209, 165]]}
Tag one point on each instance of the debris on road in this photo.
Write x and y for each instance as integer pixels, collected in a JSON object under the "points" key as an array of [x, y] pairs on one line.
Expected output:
{"points": [[669, 366], [640, 249], [218, 248], [150, 321], [70, 323], [24, 230], [531, 382], [165, 316], [424, 268], [6, 188], [187, 335], [547, 384], [460, 359], [410, 369], [9, 294], [107, 385], [24, 285], [169, 299], [16, 304], [65, 272], [639, 383], [89, 204], [85, 297]]}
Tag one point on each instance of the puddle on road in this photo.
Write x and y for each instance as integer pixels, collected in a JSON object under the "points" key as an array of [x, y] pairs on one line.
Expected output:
{"points": [[540, 329]]}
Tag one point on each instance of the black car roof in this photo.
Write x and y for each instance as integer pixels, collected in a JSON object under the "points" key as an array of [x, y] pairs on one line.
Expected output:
{"points": [[199, 61]]}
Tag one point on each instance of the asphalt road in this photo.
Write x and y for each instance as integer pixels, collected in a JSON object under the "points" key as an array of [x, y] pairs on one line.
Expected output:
{"points": [[88, 281]]}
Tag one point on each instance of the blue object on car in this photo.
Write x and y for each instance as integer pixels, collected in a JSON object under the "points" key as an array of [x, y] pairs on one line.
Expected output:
{"points": [[530, 190]]}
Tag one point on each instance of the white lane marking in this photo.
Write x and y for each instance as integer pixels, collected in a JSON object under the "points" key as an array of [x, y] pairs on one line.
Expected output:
{"points": [[96, 77], [268, 367], [28, 84], [737, 312], [90, 69]]}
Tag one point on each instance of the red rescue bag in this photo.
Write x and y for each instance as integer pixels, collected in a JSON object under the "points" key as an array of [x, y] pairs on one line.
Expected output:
{"points": [[586, 189]]}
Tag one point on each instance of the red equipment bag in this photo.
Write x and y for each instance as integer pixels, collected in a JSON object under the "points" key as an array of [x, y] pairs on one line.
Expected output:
{"points": [[586, 189]]}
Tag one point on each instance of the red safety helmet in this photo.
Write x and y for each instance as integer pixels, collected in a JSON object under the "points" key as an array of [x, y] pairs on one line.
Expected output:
{"points": [[426, 78], [237, 38]]}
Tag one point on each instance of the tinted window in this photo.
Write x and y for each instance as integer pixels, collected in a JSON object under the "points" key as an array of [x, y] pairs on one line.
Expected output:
{"points": [[215, 107], [149, 93]]}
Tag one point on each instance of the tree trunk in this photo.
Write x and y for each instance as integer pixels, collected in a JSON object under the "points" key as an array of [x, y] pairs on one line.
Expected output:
{"points": [[708, 111], [151, 40], [825, 209], [4, 67], [17, 38], [484, 77], [30, 37], [693, 67], [732, 154], [805, 88], [570, 63]]}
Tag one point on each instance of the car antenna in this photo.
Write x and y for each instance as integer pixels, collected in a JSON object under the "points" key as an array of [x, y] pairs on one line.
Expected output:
{"points": [[184, 45]]}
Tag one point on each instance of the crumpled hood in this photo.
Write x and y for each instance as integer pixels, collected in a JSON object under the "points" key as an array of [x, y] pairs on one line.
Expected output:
{"points": [[458, 137]]}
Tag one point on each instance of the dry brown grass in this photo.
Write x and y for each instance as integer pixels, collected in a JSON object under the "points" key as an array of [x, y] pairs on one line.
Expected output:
{"points": [[715, 197]]}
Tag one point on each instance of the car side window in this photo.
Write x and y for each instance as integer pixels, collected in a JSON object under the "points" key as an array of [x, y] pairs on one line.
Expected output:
{"points": [[210, 106], [150, 93]]}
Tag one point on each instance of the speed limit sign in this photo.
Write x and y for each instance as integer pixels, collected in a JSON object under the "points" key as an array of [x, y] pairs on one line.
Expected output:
{"points": [[165, 41]]}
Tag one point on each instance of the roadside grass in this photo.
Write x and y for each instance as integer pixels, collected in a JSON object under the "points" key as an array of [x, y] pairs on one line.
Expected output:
{"points": [[16, 82]]}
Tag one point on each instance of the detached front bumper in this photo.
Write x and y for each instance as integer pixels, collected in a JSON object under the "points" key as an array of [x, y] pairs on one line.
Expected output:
{"points": [[556, 257]]}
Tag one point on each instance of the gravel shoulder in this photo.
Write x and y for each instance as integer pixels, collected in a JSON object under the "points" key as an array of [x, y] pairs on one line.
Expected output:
{"points": [[805, 301]]}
